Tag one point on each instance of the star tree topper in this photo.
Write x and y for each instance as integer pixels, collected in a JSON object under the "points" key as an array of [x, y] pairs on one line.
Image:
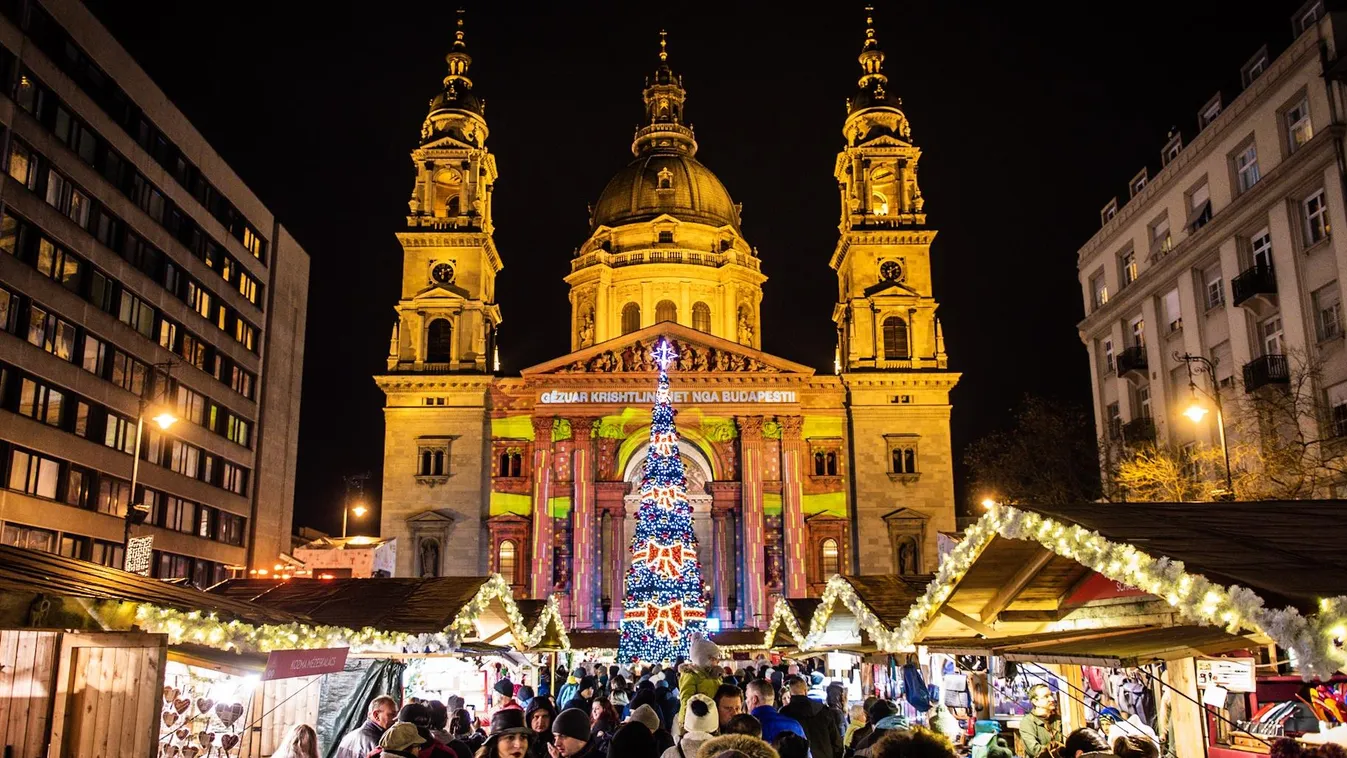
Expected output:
{"points": [[664, 354]]}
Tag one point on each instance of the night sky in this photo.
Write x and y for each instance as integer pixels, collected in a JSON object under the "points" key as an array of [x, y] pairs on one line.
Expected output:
{"points": [[1029, 119]]}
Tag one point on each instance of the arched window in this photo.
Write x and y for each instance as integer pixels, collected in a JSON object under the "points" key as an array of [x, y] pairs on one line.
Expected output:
{"points": [[452, 208], [631, 318], [820, 464], [701, 317], [439, 341], [829, 558], [832, 463], [895, 339], [511, 464], [879, 205], [505, 561], [665, 310]]}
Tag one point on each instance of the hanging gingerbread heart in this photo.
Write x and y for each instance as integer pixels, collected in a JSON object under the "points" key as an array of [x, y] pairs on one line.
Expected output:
{"points": [[221, 710], [181, 704], [205, 738], [183, 733], [204, 704], [229, 741], [190, 752], [168, 751], [235, 712], [170, 694], [170, 718]]}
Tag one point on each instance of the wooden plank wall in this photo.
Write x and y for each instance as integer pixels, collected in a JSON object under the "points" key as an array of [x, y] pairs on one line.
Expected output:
{"points": [[27, 672], [285, 702], [108, 695]]}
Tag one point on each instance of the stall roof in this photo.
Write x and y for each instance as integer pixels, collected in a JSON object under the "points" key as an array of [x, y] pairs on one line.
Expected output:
{"points": [[411, 606], [889, 596], [1100, 647], [34, 571], [1289, 552]]}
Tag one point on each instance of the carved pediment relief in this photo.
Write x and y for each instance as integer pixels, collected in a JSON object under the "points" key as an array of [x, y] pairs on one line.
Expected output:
{"points": [[698, 352]]}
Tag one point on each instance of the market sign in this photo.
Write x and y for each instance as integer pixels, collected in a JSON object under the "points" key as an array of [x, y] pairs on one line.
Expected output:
{"points": [[644, 397], [285, 664], [139, 553], [1232, 674]]}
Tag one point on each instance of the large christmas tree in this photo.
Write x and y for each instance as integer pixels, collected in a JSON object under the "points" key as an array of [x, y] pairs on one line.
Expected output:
{"points": [[663, 603]]}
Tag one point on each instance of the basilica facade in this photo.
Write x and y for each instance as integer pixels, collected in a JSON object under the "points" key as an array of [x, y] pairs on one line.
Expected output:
{"points": [[794, 475]]}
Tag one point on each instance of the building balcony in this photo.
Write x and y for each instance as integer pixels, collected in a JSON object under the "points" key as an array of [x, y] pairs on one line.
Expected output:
{"points": [[1132, 362], [1139, 430], [1259, 280], [1265, 370]]}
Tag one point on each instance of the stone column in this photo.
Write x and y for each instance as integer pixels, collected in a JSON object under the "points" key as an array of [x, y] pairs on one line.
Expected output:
{"points": [[724, 571], [543, 553], [754, 542], [792, 504], [584, 534], [610, 500]]}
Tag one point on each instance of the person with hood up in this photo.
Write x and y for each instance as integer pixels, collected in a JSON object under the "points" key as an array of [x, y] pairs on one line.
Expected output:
{"points": [[1085, 743], [884, 715], [700, 722], [701, 675], [750, 747], [502, 696], [762, 706], [573, 737], [539, 717], [584, 694], [509, 737], [633, 740], [820, 727], [835, 697], [569, 687]]}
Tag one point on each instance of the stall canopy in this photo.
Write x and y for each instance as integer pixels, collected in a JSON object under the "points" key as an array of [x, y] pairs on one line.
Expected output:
{"points": [[854, 614], [1270, 569], [1100, 647], [425, 606], [65, 583]]}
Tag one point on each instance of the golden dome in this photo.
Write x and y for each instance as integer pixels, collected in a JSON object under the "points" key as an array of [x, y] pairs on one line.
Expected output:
{"points": [[660, 182]]}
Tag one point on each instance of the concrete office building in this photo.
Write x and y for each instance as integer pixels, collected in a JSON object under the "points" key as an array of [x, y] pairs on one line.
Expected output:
{"points": [[138, 272]]}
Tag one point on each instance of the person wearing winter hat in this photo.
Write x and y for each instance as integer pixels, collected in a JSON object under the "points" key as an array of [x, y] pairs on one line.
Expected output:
{"points": [[539, 716], [700, 722], [584, 695], [645, 714], [401, 739], [509, 737], [742, 744], [701, 675], [633, 741], [571, 736], [502, 696], [884, 715]]}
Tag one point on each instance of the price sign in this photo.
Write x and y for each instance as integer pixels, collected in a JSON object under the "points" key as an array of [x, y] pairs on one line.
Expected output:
{"points": [[1234, 674]]}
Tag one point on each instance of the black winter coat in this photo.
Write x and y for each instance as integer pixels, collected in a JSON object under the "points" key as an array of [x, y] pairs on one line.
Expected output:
{"points": [[820, 726]]}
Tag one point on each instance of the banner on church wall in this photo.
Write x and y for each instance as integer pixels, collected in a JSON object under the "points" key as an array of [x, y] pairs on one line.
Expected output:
{"points": [[554, 397]]}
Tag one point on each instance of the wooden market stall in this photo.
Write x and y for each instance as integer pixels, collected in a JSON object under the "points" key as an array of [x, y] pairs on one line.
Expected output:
{"points": [[77, 677]]}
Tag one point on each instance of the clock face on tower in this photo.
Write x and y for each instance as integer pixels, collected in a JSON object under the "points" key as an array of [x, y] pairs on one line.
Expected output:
{"points": [[891, 271], [443, 273]]}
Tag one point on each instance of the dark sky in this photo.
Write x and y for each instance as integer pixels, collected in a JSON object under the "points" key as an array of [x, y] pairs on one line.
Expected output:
{"points": [[1029, 119]]}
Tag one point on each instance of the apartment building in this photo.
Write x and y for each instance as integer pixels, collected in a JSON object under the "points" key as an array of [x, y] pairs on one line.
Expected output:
{"points": [[139, 274], [1228, 252]]}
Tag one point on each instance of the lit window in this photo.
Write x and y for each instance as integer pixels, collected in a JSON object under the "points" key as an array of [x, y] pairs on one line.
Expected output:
{"points": [[701, 317], [895, 339], [1128, 263], [829, 558], [665, 310], [505, 560], [1299, 129], [1316, 218], [1327, 312]]}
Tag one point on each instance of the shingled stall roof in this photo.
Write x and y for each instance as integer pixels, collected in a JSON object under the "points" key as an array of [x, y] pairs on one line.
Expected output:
{"points": [[1290, 552], [406, 605], [31, 572], [853, 614]]}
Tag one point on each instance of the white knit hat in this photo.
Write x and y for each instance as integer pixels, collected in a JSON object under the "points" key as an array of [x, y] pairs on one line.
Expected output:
{"points": [[707, 721], [703, 652]]}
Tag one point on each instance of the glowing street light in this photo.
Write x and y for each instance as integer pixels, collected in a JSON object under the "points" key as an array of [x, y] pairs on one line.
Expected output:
{"points": [[1196, 411], [163, 418], [359, 510], [987, 503]]}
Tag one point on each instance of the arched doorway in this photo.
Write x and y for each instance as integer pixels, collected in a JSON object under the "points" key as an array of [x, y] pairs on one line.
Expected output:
{"points": [[697, 469]]}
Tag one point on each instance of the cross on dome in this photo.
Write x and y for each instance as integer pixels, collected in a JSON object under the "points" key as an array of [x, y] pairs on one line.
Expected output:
{"points": [[664, 354]]}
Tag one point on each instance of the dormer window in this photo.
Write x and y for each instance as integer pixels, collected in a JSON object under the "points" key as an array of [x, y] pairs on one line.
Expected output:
{"points": [[666, 236], [665, 178]]}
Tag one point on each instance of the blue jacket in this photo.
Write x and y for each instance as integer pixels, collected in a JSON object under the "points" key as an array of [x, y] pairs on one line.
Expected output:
{"points": [[773, 723]]}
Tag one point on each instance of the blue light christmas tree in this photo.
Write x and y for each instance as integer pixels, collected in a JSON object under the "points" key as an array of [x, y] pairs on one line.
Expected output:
{"points": [[664, 603]]}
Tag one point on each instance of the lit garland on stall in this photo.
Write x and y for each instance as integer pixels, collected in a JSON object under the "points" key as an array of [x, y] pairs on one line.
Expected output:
{"points": [[663, 603], [206, 628], [1318, 641]]}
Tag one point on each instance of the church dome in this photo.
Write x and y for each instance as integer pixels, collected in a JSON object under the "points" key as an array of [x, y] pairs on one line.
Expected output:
{"points": [[660, 182]]}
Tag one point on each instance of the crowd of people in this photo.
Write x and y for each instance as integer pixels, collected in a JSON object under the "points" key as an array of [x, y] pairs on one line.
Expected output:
{"points": [[699, 710]]}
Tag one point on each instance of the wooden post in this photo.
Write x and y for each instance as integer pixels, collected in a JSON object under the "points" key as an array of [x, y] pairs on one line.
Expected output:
{"points": [[1189, 733], [1073, 715]]}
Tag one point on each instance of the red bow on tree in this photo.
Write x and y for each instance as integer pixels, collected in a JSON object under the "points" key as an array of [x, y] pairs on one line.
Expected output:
{"points": [[664, 497], [666, 560], [666, 620]]}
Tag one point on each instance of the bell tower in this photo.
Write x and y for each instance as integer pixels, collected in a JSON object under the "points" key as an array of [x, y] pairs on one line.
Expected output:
{"points": [[885, 313], [447, 315]]}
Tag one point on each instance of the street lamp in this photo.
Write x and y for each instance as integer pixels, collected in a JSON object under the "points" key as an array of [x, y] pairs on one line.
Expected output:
{"points": [[163, 417], [1196, 411], [358, 509]]}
